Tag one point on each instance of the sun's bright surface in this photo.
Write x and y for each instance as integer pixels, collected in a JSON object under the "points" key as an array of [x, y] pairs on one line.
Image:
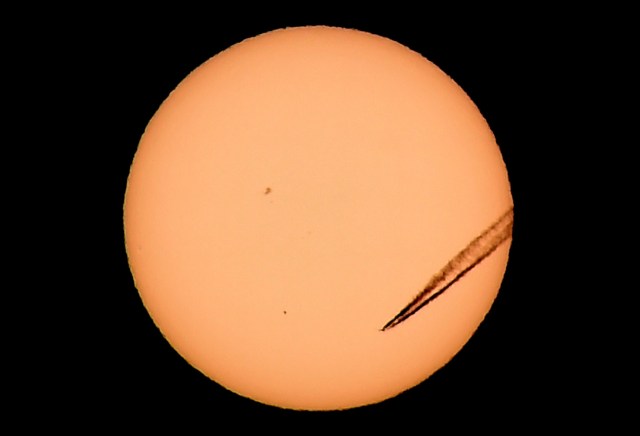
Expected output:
{"points": [[292, 195]]}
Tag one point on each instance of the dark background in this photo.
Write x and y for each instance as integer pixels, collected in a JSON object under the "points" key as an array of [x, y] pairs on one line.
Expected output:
{"points": [[106, 78]]}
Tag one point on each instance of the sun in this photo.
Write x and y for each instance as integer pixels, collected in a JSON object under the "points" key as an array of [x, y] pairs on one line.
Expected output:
{"points": [[297, 197]]}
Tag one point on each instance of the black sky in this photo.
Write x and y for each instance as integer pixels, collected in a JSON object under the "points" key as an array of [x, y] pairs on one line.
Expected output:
{"points": [[107, 80]]}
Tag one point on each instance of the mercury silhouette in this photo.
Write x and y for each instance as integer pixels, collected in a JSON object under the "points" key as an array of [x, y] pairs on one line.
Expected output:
{"points": [[318, 218]]}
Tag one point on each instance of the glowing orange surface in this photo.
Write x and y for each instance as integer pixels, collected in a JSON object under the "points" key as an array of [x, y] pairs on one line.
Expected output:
{"points": [[292, 195]]}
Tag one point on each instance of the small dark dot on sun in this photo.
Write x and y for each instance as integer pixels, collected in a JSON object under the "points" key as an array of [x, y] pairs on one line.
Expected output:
{"points": [[284, 311], [267, 191]]}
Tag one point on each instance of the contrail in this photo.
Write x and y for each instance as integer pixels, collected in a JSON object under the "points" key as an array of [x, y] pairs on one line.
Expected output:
{"points": [[474, 253]]}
